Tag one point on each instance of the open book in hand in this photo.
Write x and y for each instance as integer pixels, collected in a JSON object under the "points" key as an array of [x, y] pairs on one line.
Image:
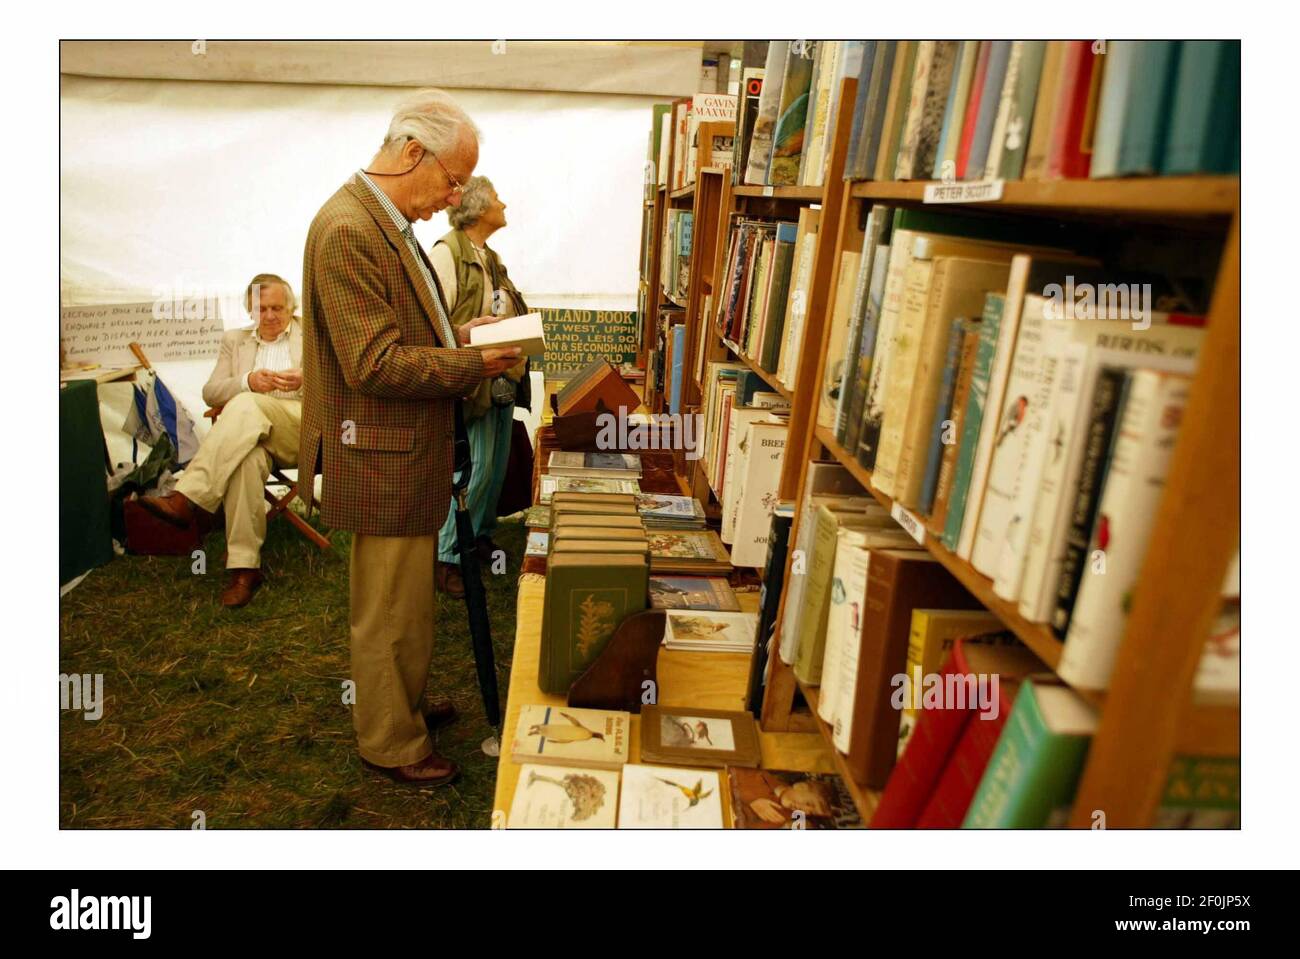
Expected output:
{"points": [[524, 332]]}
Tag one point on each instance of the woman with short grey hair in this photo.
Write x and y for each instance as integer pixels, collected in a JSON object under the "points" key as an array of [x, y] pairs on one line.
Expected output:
{"points": [[475, 283]]}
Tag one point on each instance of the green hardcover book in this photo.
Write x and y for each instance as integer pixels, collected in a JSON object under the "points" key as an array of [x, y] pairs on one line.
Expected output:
{"points": [[1146, 118], [587, 596], [1015, 143], [782, 267], [1202, 792], [816, 599], [1034, 772], [1205, 116], [970, 429]]}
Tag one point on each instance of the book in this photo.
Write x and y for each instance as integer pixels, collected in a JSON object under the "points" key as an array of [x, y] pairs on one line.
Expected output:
{"points": [[895, 115], [920, 139], [688, 736], [1034, 771], [1122, 60], [800, 290], [970, 116], [792, 117], [847, 291], [954, 112], [1035, 157], [704, 631], [587, 596], [951, 431], [764, 444], [941, 423], [964, 708], [524, 332], [692, 592], [751, 89], [877, 104], [676, 365], [931, 637], [1070, 144], [1014, 143], [668, 797], [858, 397], [780, 799], [665, 511], [985, 118], [1204, 134], [898, 582], [1146, 116], [1202, 792], [769, 105], [550, 485], [769, 602], [608, 465], [1130, 498], [778, 300], [568, 736], [687, 552], [563, 797]]}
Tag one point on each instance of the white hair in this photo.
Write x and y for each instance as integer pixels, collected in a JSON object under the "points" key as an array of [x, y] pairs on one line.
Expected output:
{"points": [[474, 202], [431, 118]]}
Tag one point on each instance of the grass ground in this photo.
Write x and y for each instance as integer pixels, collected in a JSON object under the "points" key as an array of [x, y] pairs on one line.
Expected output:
{"points": [[239, 713]]}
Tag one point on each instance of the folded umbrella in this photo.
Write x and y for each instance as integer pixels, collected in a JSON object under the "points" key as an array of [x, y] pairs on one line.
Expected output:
{"points": [[480, 628]]}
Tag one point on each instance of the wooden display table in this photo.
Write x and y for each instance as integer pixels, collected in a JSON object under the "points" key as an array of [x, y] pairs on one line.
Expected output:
{"points": [[702, 680]]}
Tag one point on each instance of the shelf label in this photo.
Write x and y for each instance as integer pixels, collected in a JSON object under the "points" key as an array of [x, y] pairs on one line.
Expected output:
{"points": [[906, 519], [767, 191], [981, 191]]}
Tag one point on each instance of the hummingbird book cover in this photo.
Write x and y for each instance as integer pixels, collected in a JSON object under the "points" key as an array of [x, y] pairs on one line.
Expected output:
{"points": [[667, 797]]}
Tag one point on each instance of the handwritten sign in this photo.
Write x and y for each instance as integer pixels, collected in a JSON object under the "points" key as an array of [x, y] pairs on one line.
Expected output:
{"points": [[103, 334], [574, 338]]}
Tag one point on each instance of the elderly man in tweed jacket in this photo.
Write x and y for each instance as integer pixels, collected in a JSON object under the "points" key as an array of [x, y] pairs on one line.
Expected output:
{"points": [[382, 368]]}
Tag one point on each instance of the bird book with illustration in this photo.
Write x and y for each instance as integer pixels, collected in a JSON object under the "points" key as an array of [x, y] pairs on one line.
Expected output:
{"points": [[710, 631], [668, 797], [699, 737], [692, 592], [568, 736], [564, 797]]}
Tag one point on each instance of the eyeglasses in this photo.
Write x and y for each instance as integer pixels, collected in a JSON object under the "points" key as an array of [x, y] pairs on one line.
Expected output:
{"points": [[455, 184]]}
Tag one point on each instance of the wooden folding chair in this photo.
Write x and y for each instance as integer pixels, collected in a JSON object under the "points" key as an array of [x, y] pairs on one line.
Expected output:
{"points": [[280, 504]]}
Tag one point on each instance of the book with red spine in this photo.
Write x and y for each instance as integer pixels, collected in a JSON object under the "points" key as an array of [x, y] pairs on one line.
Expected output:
{"points": [[1069, 154], [972, 108]]}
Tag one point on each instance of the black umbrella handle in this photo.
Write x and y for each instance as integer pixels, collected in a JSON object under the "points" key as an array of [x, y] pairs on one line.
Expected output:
{"points": [[462, 462]]}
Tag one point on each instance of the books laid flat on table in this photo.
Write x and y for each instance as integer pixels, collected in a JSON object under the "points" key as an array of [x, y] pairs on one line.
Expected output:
{"points": [[688, 552], [692, 592], [551, 485], [668, 797], [567, 736], [710, 631], [778, 799], [524, 332], [664, 511], [537, 543], [564, 797], [594, 465], [698, 737]]}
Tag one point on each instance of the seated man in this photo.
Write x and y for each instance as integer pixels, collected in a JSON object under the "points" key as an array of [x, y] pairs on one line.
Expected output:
{"points": [[258, 384]]}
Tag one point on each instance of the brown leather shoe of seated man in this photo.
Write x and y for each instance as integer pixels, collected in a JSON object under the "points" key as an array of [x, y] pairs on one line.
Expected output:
{"points": [[449, 581], [432, 770], [242, 585], [177, 509]]}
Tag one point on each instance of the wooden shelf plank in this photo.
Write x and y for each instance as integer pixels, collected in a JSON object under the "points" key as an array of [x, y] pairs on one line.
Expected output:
{"points": [[865, 799], [688, 190], [1189, 196], [809, 193], [764, 375]]}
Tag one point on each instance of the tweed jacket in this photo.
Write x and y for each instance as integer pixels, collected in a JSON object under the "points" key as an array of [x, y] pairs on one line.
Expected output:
{"points": [[378, 382], [235, 361]]}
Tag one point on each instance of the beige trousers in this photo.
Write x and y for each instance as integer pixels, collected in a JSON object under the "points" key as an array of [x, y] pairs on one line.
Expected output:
{"points": [[232, 464], [392, 608]]}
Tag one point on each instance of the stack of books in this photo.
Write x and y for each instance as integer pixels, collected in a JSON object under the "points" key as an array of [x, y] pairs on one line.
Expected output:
{"points": [[702, 631], [595, 465], [550, 485], [597, 571], [664, 511], [688, 552]]}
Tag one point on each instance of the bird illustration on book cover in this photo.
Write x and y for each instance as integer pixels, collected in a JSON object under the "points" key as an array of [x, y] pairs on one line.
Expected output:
{"points": [[570, 731], [1012, 418], [696, 627], [693, 794]]}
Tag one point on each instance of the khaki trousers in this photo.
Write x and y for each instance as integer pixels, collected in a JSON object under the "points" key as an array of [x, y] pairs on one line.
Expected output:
{"points": [[392, 609], [233, 462]]}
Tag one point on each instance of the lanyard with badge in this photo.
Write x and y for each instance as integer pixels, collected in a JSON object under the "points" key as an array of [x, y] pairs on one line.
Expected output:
{"points": [[504, 389]]}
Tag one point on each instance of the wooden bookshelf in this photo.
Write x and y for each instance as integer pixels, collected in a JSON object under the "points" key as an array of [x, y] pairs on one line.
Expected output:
{"points": [[1177, 196], [865, 799], [811, 194], [1147, 716]]}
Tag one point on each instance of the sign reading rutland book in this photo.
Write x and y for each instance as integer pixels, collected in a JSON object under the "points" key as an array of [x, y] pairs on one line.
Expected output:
{"points": [[576, 337]]}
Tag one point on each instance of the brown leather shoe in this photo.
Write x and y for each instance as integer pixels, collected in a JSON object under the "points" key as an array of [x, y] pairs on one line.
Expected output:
{"points": [[432, 770], [175, 508], [438, 713], [241, 587], [449, 581]]}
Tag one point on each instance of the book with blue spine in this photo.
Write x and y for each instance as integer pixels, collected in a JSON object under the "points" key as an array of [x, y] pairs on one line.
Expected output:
{"points": [[1120, 66], [678, 373], [1205, 114], [1146, 117], [990, 101]]}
